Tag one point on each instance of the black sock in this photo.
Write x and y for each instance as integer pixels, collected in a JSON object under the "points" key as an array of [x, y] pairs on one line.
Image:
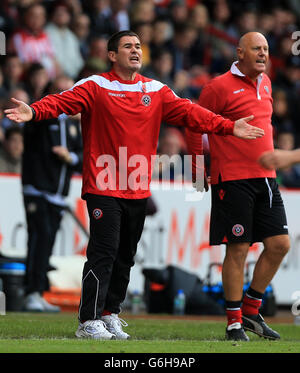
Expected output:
{"points": [[254, 294]]}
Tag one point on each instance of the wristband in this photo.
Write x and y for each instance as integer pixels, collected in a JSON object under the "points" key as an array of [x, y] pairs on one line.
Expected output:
{"points": [[33, 113]]}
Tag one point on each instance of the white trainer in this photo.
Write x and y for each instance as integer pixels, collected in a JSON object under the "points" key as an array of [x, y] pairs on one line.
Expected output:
{"points": [[95, 329], [48, 307], [34, 302], [114, 324]]}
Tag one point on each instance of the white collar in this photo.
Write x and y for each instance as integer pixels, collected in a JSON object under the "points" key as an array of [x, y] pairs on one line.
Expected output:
{"points": [[236, 71]]}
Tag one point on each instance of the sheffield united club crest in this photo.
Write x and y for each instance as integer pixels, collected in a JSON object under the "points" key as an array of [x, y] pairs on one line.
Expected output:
{"points": [[97, 214], [146, 100], [238, 230]]}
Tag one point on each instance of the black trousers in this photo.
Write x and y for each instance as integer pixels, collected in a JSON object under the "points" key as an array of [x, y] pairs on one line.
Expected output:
{"points": [[43, 222], [116, 225]]}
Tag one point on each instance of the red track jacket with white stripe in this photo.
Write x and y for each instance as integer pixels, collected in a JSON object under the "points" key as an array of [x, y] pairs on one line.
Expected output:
{"points": [[120, 128]]}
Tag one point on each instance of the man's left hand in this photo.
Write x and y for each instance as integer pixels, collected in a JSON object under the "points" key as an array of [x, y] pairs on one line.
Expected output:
{"points": [[243, 130]]}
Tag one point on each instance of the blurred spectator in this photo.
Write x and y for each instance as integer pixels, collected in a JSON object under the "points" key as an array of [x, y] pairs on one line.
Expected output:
{"points": [[60, 84], [75, 7], [201, 49], [221, 45], [161, 67], [96, 61], [181, 46], [169, 164], [19, 94], [81, 28], [3, 91], [142, 11], [52, 153], [3, 95], [31, 43], [199, 17], [294, 5], [245, 22], [9, 16], [119, 10], [290, 176], [12, 150], [102, 22], [144, 31], [281, 115], [13, 70], [36, 81], [266, 25], [66, 45], [181, 84], [178, 12], [284, 20], [288, 80], [162, 32]]}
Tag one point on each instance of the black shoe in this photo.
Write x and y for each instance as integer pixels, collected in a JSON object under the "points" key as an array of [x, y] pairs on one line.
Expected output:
{"points": [[236, 333], [256, 324]]}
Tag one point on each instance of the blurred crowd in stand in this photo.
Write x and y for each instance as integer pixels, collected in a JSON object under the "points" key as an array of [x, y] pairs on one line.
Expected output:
{"points": [[185, 44]]}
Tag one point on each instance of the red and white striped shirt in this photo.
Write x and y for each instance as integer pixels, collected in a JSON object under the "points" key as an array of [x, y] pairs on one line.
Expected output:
{"points": [[34, 48], [120, 127]]}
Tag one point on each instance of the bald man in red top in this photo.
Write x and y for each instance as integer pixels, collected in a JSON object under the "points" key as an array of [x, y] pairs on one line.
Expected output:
{"points": [[246, 204]]}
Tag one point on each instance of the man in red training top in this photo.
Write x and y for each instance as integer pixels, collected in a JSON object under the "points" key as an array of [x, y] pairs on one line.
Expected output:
{"points": [[246, 203], [121, 114]]}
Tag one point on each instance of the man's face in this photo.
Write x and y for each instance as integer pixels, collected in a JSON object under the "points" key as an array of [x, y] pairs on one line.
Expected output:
{"points": [[35, 18], [14, 146], [129, 55], [254, 54]]}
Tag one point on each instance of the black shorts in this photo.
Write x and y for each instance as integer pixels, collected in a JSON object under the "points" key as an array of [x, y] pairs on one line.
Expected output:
{"points": [[247, 210]]}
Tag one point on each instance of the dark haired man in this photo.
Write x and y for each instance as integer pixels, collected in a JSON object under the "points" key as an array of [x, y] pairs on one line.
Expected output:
{"points": [[12, 150], [121, 116]]}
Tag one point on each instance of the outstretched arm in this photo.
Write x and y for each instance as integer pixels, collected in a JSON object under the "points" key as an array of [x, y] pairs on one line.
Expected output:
{"points": [[183, 112], [73, 101], [278, 158], [21, 113]]}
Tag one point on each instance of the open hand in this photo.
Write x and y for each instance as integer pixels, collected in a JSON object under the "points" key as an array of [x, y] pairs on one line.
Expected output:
{"points": [[243, 130], [279, 159], [21, 113], [62, 153]]}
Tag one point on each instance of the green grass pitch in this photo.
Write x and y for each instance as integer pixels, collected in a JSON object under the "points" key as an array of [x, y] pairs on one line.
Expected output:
{"points": [[54, 333]]}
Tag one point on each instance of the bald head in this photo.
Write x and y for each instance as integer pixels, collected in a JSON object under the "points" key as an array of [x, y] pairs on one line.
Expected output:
{"points": [[253, 54], [250, 38]]}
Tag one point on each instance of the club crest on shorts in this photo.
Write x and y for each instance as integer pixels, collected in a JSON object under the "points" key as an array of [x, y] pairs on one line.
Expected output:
{"points": [[238, 230], [221, 194], [146, 100], [97, 214]]}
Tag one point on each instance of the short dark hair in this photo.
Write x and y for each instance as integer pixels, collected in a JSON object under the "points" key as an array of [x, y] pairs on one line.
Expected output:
{"points": [[11, 130], [113, 42]]}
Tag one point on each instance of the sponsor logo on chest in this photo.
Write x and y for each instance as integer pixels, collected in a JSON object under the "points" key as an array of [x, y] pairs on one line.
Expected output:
{"points": [[116, 94]]}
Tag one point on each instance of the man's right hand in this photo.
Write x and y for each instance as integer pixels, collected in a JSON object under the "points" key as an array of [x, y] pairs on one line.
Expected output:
{"points": [[243, 130], [21, 113]]}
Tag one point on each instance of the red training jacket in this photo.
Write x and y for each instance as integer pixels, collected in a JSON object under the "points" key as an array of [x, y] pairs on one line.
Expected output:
{"points": [[120, 127]]}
